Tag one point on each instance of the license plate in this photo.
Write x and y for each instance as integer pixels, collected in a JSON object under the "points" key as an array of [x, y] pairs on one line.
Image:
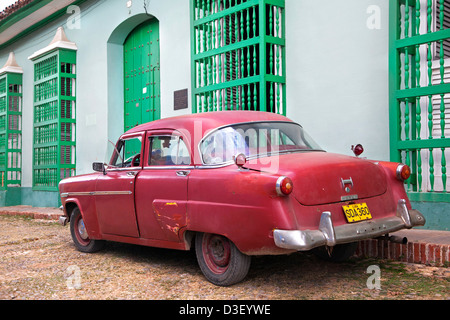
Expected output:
{"points": [[357, 212]]}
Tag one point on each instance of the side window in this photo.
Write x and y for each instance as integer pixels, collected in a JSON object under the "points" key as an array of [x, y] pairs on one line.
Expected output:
{"points": [[127, 153], [167, 150]]}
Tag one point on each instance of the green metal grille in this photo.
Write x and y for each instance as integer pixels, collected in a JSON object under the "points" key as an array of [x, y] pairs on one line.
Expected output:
{"points": [[54, 119], [419, 99], [238, 55], [10, 130]]}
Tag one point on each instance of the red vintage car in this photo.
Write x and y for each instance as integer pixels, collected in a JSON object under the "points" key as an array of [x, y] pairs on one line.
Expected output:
{"points": [[234, 184]]}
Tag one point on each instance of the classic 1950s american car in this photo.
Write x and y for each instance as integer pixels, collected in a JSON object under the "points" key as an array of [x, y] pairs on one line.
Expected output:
{"points": [[234, 184]]}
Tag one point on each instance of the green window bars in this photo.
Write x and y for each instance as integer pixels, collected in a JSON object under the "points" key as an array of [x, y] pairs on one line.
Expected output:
{"points": [[419, 94], [238, 55], [54, 119], [10, 129]]}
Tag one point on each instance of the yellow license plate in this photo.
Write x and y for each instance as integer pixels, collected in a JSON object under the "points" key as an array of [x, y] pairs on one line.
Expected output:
{"points": [[357, 212]]}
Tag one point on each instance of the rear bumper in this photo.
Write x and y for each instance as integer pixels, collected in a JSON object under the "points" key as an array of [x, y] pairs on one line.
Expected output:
{"points": [[329, 235]]}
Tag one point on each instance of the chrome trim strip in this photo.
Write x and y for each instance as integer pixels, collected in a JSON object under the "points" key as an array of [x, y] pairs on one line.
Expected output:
{"points": [[111, 169], [327, 234], [95, 193], [350, 197], [169, 167]]}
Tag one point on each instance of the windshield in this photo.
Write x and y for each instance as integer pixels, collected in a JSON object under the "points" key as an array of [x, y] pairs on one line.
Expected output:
{"points": [[254, 139]]}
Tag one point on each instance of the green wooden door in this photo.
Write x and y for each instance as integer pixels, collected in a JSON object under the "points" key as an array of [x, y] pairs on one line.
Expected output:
{"points": [[141, 74]]}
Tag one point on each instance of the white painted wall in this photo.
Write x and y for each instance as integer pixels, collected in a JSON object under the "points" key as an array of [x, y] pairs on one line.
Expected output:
{"points": [[337, 73]]}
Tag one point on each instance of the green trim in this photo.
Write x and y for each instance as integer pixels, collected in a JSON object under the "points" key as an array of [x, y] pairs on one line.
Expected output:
{"points": [[54, 129], [411, 106], [429, 197], [10, 130], [238, 60], [422, 39], [24, 12], [394, 12]]}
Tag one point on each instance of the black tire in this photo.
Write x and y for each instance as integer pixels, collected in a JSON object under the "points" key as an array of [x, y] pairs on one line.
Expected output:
{"points": [[220, 260], [339, 253], [79, 234]]}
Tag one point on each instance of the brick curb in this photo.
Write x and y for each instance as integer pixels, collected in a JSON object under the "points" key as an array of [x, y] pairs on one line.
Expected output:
{"points": [[414, 252], [33, 213]]}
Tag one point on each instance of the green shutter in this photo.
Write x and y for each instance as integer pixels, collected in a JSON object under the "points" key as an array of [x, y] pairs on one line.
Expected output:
{"points": [[238, 55], [10, 130], [54, 119]]}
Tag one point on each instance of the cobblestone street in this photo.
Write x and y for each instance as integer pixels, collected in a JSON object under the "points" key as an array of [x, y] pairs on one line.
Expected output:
{"points": [[39, 261]]}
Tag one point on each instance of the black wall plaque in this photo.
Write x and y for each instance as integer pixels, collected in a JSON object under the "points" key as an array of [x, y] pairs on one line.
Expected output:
{"points": [[180, 99]]}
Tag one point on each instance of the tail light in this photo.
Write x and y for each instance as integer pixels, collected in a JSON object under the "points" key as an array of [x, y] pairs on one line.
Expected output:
{"points": [[403, 172], [284, 186]]}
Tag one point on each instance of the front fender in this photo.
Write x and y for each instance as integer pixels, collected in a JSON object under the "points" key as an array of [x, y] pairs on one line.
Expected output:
{"points": [[87, 210]]}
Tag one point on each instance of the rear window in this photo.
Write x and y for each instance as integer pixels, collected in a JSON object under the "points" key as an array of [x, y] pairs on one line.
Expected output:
{"points": [[254, 139]]}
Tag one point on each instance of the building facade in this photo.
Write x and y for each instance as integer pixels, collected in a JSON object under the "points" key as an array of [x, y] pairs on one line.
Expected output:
{"points": [[78, 73]]}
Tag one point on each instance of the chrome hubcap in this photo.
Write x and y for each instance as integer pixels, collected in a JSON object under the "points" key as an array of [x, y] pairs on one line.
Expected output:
{"points": [[82, 230]]}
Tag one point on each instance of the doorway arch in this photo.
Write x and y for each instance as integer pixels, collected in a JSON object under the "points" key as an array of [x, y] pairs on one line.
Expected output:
{"points": [[141, 75], [116, 97]]}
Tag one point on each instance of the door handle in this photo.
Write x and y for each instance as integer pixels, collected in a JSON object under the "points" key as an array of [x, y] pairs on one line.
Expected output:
{"points": [[131, 173], [183, 173]]}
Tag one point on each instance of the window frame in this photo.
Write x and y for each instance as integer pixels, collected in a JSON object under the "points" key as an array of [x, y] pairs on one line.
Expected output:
{"points": [[167, 133], [116, 152]]}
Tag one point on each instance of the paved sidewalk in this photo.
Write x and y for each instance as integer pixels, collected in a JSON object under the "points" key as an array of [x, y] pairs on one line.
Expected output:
{"points": [[430, 247], [32, 212], [427, 236]]}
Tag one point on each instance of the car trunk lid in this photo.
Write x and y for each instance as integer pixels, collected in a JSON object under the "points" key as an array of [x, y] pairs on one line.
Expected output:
{"points": [[321, 178]]}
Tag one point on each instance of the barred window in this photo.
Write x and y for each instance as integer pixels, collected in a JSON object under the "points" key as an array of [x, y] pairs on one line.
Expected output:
{"points": [[238, 59], [54, 119], [10, 130]]}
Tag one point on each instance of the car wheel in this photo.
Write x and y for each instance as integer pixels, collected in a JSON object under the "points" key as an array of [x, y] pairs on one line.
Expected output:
{"points": [[339, 253], [220, 260], [79, 234]]}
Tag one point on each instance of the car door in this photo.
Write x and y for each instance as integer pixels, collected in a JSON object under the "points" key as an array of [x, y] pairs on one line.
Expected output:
{"points": [[115, 190], [161, 187]]}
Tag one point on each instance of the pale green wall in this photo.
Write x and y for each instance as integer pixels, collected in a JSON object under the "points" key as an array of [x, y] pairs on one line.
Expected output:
{"points": [[104, 26], [337, 73], [337, 76]]}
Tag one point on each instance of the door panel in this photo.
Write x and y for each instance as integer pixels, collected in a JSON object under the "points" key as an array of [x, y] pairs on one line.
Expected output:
{"points": [[161, 187], [141, 74], [114, 199], [115, 191], [161, 197]]}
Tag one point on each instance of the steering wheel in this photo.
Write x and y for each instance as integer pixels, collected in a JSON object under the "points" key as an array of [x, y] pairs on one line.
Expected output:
{"points": [[136, 160]]}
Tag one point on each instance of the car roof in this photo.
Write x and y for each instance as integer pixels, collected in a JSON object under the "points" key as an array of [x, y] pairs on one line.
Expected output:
{"points": [[208, 121]]}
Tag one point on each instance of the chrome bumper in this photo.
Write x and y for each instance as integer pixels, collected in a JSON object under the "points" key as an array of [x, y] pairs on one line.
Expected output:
{"points": [[329, 235]]}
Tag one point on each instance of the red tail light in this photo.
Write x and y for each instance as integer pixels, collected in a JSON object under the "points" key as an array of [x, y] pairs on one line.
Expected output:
{"points": [[403, 172], [284, 186]]}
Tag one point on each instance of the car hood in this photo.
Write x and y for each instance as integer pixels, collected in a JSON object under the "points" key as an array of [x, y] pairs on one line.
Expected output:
{"points": [[321, 177]]}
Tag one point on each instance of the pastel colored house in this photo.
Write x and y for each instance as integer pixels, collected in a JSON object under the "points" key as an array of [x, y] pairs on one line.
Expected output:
{"points": [[78, 73]]}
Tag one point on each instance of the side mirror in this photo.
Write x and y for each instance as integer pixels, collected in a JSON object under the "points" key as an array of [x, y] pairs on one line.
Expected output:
{"points": [[99, 167]]}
